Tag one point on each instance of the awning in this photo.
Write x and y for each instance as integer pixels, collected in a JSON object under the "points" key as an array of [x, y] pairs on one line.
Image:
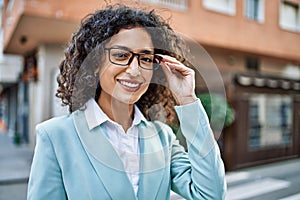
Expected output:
{"points": [[266, 81]]}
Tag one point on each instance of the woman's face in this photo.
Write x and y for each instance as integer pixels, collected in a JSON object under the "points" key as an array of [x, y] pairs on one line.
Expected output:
{"points": [[121, 75]]}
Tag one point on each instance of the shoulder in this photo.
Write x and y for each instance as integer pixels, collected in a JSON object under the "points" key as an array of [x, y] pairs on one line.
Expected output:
{"points": [[56, 122], [56, 125]]}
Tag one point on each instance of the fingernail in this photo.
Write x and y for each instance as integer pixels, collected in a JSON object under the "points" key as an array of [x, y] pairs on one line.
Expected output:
{"points": [[157, 60]]}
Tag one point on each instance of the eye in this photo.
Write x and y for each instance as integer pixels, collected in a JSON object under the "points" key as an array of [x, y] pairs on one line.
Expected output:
{"points": [[120, 55], [147, 58]]}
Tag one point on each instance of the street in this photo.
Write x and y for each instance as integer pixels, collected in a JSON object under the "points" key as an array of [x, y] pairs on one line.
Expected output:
{"points": [[13, 191], [279, 180], [14, 169]]}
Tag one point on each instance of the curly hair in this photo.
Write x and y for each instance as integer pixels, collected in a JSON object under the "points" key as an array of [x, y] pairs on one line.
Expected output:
{"points": [[77, 81]]}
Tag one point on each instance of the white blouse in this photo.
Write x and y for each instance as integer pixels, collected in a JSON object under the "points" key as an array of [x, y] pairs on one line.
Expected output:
{"points": [[125, 144]]}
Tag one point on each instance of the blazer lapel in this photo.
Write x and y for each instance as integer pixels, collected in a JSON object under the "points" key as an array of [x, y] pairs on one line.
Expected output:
{"points": [[153, 162], [104, 159]]}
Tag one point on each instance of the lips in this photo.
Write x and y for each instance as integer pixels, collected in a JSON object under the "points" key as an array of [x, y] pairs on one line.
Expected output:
{"points": [[130, 85]]}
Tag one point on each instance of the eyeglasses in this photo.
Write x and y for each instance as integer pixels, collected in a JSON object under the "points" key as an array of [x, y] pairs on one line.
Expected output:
{"points": [[123, 57]]}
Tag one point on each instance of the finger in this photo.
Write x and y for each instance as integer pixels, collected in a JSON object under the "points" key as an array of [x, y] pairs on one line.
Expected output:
{"points": [[179, 67], [166, 69], [166, 58], [171, 60], [171, 73], [158, 58]]}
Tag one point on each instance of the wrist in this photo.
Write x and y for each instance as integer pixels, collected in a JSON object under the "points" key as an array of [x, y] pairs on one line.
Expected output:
{"points": [[187, 99]]}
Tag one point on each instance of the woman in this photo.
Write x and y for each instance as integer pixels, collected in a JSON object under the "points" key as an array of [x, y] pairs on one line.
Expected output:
{"points": [[110, 146]]}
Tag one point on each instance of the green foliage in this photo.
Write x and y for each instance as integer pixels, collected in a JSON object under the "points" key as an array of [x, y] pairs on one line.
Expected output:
{"points": [[17, 139], [218, 110]]}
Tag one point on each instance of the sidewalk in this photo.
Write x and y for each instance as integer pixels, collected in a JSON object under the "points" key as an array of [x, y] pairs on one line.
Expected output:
{"points": [[279, 180], [15, 161]]}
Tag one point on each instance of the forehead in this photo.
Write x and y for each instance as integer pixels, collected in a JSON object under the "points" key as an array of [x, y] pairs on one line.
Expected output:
{"points": [[135, 38]]}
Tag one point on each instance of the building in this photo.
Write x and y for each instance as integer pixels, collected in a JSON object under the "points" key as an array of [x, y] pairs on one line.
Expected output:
{"points": [[254, 44], [10, 112]]}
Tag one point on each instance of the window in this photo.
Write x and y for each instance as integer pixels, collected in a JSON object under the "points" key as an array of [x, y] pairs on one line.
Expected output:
{"points": [[223, 6], [289, 16], [253, 64], [254, 10], [270, 120], [173, 4]]}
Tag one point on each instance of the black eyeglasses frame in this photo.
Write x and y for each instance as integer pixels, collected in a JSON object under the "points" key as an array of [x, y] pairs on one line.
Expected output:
{"points": [[133, 54]]}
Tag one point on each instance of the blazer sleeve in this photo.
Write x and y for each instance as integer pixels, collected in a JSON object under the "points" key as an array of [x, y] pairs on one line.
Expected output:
{"points": [[198, 174], [45, 181]]}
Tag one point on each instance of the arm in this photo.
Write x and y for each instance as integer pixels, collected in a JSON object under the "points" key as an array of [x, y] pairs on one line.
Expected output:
{"points": [[45, 181], [200, 173]]}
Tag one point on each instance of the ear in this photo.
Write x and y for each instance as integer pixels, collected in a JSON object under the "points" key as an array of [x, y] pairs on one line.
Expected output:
{"points": [[97, 71]]}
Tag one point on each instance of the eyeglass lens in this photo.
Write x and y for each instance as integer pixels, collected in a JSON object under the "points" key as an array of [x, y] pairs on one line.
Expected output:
{"points": [[124, 57]]}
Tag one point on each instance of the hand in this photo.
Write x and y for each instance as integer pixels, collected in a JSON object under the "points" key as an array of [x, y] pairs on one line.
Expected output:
{"points": [[181, 79]]}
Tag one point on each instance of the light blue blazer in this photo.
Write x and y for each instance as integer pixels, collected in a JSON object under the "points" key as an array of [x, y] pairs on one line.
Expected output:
{"points": [[73, 162]]}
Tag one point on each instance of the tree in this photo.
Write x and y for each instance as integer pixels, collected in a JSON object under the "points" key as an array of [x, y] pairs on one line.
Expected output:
{"points": [[219, 112]]}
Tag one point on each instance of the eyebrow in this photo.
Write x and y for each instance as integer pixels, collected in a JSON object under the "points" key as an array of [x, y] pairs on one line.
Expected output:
{"points": [[146, 51]]}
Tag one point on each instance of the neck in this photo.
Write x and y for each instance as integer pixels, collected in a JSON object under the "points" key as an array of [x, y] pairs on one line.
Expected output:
{"points": [[117, 111]]}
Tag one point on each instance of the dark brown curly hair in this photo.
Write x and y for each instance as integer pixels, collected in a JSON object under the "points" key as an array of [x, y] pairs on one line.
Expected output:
{"points": [[77, 81]]}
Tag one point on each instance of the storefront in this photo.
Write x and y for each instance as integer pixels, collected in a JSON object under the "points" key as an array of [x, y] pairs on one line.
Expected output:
{"points": [[10, 69], [267, 125]]}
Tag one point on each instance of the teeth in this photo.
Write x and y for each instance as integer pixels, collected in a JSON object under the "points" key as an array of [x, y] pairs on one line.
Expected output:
{"points": [[131, 85]]}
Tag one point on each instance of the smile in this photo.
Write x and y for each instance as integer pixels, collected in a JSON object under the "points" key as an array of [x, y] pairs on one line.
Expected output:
{"points": [[130, 85]]}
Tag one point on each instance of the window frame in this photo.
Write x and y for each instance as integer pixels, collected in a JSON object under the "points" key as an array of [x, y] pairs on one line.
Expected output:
{"points": [[230, 10], [260, 130], [294, 28], [172, 4], [261, 11]]}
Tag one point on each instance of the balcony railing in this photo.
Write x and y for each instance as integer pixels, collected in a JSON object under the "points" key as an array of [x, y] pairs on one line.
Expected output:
{"points": [[173, 4]]}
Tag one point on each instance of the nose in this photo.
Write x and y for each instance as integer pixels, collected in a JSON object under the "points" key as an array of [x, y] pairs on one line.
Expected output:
{"points": [[133, 67]]}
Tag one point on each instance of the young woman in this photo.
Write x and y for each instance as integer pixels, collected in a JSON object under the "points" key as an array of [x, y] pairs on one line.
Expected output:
{"points": [[110, 146]]}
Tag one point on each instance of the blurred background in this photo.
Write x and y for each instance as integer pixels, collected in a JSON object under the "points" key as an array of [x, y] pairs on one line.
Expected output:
{"points": [[254, 43]]}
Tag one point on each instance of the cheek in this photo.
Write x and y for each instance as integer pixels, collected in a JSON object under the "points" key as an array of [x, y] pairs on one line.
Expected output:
{"points": [[106, 77], [108, 71]]}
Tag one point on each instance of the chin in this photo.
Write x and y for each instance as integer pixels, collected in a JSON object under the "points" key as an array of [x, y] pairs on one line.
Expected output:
{"points": [[130, 98]]}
